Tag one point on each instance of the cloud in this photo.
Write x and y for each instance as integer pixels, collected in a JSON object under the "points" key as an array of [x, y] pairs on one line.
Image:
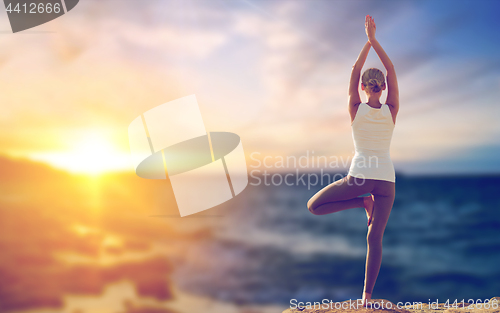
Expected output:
{"points": [[275, 72]]}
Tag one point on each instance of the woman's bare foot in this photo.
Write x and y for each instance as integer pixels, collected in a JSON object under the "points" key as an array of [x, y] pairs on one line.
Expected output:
{"points": [[368, 202], [366, 298]]}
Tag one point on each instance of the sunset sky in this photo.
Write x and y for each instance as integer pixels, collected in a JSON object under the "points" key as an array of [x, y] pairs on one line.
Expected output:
{"points": [[274, 72]]}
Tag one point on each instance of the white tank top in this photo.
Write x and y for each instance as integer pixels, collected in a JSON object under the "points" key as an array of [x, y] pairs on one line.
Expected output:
{"points": [[372, 132]]}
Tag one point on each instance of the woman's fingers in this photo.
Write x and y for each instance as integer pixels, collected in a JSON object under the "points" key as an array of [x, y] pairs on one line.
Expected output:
{"points": [[372, 23]]}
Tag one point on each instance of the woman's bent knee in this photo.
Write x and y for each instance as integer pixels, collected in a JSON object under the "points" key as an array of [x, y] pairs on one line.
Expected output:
{"points": [[311, 207]]}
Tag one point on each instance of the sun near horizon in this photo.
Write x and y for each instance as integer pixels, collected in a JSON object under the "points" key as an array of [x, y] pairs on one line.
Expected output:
{"points": [[92, 153]]}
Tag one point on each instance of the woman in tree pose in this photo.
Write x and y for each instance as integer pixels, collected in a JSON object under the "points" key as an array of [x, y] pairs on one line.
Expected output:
{"points": [[371, 169]]}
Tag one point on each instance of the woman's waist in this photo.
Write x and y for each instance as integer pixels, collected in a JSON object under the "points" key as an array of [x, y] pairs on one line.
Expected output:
{"points": [[385, 152], [381, 162]]}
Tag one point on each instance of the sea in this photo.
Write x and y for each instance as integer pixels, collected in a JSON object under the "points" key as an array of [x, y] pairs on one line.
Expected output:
{"points": [[442, 242], [117, 244]]}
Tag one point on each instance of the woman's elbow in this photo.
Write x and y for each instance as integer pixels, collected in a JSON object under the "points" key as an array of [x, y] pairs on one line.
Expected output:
{"points": [[356, 67]]}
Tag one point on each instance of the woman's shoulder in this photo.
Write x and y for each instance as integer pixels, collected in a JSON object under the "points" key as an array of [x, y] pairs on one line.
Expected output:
{"points": [[393, 110], [354, 111]]}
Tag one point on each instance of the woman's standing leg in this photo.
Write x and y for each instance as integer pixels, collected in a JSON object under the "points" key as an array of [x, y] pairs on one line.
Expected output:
{"points": [[384, 193], [340, 195]]}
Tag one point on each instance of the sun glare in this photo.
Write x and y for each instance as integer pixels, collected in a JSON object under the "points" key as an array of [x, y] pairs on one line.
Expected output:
{"points": [[92, 155]]}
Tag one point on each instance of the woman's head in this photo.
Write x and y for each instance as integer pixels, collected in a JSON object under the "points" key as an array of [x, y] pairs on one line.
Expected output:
{"points": [[373, 80]]}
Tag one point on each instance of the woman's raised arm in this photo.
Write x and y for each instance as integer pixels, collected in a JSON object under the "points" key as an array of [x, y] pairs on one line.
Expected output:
{"points": [[354, 98], [392, 82]]}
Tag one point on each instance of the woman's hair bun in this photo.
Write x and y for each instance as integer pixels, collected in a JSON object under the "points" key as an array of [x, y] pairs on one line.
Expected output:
{"points": [[373, 79], [374, 84]]}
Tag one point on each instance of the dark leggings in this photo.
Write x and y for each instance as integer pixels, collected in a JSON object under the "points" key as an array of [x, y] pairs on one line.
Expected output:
{"points": [[344, 194]]}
